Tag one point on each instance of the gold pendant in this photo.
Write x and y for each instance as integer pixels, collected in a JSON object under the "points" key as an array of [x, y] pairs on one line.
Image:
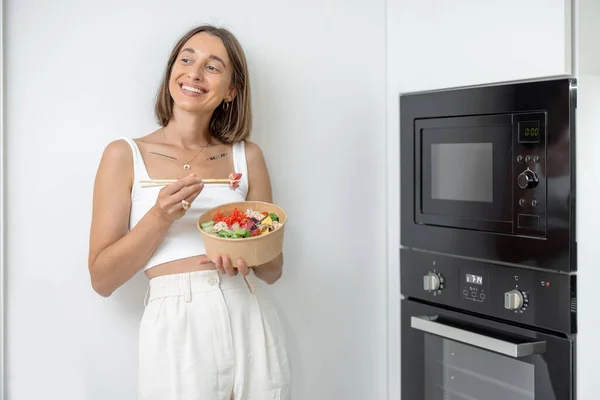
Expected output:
{"points": [[186, 166]]}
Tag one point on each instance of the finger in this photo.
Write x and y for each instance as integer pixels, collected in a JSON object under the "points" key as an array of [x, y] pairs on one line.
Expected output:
{"points": [[242, 267], [219, 265], [228, 267], [177, 209], [195, 193], [181, 183], [185, 192], [204, 260]]}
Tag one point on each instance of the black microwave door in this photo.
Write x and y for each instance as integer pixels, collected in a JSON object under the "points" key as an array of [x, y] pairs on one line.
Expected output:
{"points": [[451, 356], [463, 168]]}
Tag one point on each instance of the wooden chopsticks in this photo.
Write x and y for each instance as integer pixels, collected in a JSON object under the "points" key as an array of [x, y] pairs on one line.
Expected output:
{"points": [[165, 182]]}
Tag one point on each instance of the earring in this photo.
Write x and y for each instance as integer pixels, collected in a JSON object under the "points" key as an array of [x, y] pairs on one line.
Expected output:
{"points": [[225, 106]]}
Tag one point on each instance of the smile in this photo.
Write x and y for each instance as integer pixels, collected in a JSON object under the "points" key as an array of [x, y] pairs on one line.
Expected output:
{"points": [[193, 89]]}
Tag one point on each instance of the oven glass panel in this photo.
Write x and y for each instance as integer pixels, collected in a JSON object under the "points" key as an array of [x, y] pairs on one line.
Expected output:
{"points": [[455, 371], [462, 171]]}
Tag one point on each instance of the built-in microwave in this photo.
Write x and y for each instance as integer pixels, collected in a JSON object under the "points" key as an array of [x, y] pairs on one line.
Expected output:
{"points": [[488, 172]]}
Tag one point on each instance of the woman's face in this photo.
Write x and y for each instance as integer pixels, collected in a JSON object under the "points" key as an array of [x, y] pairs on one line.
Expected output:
{"points": [[201, 75]]}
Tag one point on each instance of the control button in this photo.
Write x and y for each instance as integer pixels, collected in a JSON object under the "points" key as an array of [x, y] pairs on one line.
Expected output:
{"points": [[526, 221], [482, 296], [527, 180], [513, 300], [473, 294], [465, 292], [431, 282], [536, 159], [528, 159], [522, 202], [519, 158], [534, 203]]}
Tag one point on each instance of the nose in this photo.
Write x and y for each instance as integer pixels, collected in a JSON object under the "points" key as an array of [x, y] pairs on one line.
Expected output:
{"points": [[196, 74]]}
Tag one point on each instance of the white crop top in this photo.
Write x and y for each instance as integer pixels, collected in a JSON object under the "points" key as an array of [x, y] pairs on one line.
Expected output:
{"points": [[183, 239]]}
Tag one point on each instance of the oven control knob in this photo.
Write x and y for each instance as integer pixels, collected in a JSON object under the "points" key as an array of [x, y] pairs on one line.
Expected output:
{"points": [[527, 179], [431, 282], [513, 300]]}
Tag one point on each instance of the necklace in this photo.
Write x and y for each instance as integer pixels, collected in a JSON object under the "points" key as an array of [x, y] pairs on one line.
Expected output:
{"points": [[187, 166]]}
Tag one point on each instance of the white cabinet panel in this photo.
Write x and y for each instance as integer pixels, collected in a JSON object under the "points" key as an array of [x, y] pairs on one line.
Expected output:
{"points": [[467, 42]]}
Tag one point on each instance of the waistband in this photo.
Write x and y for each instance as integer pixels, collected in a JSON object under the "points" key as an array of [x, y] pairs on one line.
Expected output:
{"points": [[187, 284]]}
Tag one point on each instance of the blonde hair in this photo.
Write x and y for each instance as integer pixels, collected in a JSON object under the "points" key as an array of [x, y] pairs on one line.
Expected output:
{"points": [[231, 125]]}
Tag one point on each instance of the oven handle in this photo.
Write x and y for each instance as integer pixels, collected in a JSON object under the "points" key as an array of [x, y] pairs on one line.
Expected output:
{"points": [[428, 324]]}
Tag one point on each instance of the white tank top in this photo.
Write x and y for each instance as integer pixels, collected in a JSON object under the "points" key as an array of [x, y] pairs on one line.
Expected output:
{"points": [[183, 239]]}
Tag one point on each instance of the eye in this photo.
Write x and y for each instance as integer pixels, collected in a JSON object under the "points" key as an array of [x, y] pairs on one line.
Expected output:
{"points": [[212, 68], [186, 60]]}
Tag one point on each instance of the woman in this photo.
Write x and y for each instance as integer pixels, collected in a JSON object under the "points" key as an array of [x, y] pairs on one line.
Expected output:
{"points": [[208, 331]]}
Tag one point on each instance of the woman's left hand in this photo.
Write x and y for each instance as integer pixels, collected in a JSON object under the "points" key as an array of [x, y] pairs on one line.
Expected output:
{"points": [[225, 266]]}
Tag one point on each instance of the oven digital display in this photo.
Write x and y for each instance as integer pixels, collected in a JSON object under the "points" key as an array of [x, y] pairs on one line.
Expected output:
{"points": [[474, 279]]}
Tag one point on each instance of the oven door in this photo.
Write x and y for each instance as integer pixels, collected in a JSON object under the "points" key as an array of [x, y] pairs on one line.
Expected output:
{"points": [[453, 356]]}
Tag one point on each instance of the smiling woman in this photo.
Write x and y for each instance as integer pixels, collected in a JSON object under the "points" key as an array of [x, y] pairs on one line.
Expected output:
{"points": [[208, 331], [233, 120]]}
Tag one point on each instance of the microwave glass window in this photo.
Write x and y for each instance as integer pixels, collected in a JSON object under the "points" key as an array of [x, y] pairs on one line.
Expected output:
{"points": [[462, 172], [455, 371]]}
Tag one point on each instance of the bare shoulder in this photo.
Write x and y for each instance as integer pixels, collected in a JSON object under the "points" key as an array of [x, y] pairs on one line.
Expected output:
{"points": [[117, 151], [253, 151], [258, 174], [116, 162]]}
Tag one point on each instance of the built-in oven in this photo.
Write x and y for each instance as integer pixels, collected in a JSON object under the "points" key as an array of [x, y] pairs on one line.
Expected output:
{"points": [[488, 172], [475, 331]]}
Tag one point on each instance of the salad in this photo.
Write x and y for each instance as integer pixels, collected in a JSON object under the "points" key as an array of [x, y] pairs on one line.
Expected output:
{"points": [[241, 225]]}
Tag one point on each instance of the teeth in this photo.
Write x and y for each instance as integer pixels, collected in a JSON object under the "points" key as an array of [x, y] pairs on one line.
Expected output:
{"points": [[192, 89]]}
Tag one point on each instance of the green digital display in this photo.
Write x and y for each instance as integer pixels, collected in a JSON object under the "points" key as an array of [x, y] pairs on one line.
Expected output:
{"points": [[532, 132], [529, 131]]}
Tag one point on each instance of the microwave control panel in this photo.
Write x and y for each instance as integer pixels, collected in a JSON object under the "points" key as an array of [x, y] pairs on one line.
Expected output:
{"points": [[529, 173]]}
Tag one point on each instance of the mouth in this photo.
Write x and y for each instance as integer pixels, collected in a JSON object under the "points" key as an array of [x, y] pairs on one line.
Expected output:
{"points": [[192, 89]]}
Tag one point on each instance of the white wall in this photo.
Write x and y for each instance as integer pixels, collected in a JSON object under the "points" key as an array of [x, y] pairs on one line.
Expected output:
{"points": [[2, 208], [82, 73]]}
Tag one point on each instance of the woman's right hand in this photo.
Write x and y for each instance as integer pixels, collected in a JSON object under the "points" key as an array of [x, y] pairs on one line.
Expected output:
{"points": [[169, 204]]}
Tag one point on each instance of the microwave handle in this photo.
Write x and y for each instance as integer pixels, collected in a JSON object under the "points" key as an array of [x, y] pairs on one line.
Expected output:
{"points": [[428, 324]]}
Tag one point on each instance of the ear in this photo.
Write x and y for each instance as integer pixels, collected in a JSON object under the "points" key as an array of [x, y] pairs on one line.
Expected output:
{"points": [[231, 93]]}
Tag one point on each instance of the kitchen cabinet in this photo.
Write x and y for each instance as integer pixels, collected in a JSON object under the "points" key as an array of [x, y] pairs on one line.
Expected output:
{"points": [[468, 42]]}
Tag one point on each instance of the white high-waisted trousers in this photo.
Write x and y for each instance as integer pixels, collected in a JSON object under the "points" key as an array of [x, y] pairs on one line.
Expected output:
{"points": [[209, 336]]}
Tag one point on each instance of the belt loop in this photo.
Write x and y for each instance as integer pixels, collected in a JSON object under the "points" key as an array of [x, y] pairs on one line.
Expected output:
{"points": [[188, 291], [146, 296]]}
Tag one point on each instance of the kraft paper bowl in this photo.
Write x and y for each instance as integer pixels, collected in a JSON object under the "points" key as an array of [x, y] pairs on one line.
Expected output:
{"points": [[253, 250]]}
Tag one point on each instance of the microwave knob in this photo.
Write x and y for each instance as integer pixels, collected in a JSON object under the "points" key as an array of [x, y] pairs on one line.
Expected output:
{"points": [[431, 282], [513, 300], [527, 179]]}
